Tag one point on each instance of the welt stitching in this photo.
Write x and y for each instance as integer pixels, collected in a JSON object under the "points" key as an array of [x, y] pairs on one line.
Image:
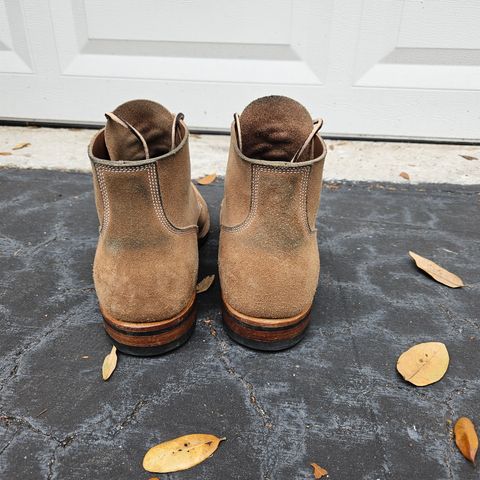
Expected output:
{"points": [[303, 199], [157, 205], [253, 205], [303, 188], [105, 200], [253, 208], [153, 183], [123, 169]]}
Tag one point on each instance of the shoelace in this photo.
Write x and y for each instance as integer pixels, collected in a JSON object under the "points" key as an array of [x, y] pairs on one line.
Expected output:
{"points": [[178, 117], [317, 125], [130, 127]]}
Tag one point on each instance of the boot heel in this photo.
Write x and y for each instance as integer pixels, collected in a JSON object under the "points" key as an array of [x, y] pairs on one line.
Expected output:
{"points": [[264, 333], [152, 338]]}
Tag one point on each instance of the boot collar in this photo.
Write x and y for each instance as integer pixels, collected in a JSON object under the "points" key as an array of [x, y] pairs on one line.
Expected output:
{"points": [[271, 163]]}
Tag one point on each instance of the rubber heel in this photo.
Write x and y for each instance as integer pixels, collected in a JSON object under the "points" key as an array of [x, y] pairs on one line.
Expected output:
{"points": [[152, 338], [263, 333]]}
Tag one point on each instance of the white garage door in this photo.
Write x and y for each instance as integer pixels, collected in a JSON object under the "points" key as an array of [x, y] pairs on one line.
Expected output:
{"points": [[373, 67]]}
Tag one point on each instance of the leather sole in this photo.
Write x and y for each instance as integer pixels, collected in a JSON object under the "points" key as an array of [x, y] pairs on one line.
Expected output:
{"points": [[264, 333], [151, 338]]}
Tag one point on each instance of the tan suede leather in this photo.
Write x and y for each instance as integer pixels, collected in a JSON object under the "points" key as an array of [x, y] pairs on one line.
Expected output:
{"points": [[151, 216], [268, 260]]}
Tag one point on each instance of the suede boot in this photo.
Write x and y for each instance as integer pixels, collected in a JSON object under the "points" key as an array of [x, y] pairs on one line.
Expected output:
{"points": [[151, 217], [268, 260]]}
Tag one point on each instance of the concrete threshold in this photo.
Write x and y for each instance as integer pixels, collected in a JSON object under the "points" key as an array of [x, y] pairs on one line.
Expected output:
{"points": [[65, 149]]}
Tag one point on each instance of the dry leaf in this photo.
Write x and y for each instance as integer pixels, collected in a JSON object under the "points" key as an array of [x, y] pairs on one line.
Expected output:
{"points": [[21, 145], [424, 363], [207, 179], [109, 364], [469, 157], [466, 438], [4, 154], [436, 271], [180, 453], [405, 175], [318, 471], [205, 284]]}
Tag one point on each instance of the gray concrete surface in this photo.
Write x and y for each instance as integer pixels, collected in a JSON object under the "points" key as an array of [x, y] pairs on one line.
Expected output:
{"points": [[65, 149], [335, 399]]}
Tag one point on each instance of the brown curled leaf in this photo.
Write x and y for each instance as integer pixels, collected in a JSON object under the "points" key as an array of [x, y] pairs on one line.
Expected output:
{"points": [[424, 363], [437, 272], [180, 453], [207, 179], [109, 364], [466, 438], [318, 471], [21, 145], [204, 284]]}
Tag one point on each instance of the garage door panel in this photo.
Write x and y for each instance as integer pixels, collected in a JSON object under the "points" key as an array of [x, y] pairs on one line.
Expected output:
{"points": [[175, 41], [14, 51], [267, 22], [440, 24], [423, 45]]}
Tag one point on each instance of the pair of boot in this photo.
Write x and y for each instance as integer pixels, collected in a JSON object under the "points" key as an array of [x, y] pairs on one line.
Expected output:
{"points": [[152, 219]]}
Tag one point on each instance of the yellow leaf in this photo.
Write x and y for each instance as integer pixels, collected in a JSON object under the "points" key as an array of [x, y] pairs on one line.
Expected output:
{"points": [[405, 175], [109, 363], [180, 453], [205, 284], [318, 471], [436, 271], [466, 438], [424, 363], [4, 154], [21, 145], [207, 179]]}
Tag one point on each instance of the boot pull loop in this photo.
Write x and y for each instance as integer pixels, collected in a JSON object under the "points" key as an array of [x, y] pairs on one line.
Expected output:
{"points": [[317, 125], [236, 121], [176, 121], [128, 126]]}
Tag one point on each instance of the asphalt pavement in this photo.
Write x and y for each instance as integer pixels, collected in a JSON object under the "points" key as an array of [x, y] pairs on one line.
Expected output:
{"points": [[335, 399]]}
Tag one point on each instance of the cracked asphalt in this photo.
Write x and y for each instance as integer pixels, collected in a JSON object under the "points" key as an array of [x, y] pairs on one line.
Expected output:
{"points": [[335, 399]]}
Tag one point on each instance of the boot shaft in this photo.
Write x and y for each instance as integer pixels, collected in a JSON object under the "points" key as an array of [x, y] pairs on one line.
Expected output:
{"points": [[279, 200], [127, 193]]}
